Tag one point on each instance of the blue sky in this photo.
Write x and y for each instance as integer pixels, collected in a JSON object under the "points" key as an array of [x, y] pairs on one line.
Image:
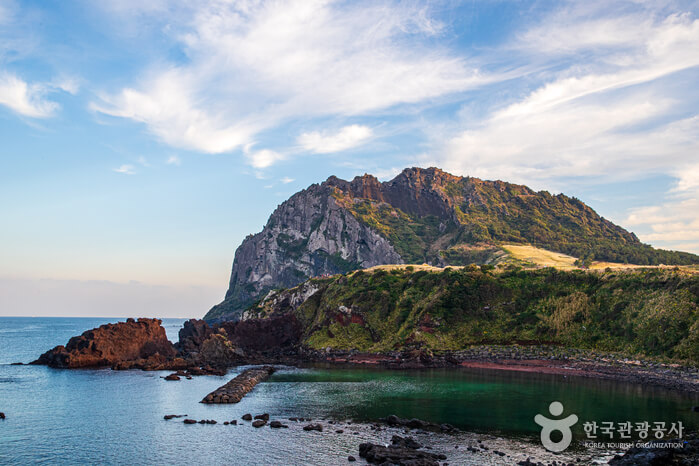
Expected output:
{"points": [[141, 141]]}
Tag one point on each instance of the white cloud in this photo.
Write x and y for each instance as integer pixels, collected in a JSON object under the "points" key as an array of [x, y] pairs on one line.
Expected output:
{"points": [[615, 105], [688, 176], [286, 180], [583, 122], [67, 84], [143, 161], [263, 158], [174, 160], [672, 225], [125, 169], [252, 65], [325, 142], [24, 98], [169, 110]]}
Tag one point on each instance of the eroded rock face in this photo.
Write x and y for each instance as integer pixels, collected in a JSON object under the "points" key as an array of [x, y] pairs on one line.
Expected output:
{"points": [[191, 336], [272, 335], [112, 344], [309, 235], [218, 351]]}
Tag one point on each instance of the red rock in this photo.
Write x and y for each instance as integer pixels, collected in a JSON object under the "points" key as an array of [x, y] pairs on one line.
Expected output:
{"points": [[112, 344]]}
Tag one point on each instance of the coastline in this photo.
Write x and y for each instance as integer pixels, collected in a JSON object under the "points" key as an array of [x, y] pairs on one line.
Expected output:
{"points": [[515, 358]]}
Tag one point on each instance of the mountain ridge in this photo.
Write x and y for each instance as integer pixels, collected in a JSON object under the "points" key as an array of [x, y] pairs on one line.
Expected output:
{"points": [[420, 216]]}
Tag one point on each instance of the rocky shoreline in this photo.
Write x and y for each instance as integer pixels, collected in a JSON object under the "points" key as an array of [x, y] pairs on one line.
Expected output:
{"points": [[397, 441], [203, 349], [535, 359]]}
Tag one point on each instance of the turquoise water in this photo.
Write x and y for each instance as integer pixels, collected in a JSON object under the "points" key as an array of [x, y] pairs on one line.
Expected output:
{"points": [[103, 416]]}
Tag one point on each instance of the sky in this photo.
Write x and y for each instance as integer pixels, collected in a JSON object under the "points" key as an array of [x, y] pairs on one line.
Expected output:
{"points": [[141, 141]]}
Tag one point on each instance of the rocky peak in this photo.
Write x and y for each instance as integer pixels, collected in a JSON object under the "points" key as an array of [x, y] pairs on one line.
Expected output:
{"points": [[421, 215]]}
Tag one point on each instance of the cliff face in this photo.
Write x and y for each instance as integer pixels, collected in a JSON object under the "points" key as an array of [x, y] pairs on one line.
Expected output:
{"points": [[421, 216], [309, 235]]}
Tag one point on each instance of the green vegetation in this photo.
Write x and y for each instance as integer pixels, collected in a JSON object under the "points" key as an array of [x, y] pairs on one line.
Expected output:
{"points": [[410, 235], [495, 213], [651, 312]]}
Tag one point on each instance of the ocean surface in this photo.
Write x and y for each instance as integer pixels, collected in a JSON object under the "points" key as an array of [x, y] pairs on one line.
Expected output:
{"points": [[116, 417]]}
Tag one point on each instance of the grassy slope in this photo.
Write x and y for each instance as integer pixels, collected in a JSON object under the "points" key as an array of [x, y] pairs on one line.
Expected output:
{"points": [[489, 214], [650, 312]]}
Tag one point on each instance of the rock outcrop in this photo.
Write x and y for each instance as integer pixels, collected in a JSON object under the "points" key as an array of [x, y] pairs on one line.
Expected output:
{"points": [[421, 216], [401, 451], [191, 336], [218, 351], [111, 344]]}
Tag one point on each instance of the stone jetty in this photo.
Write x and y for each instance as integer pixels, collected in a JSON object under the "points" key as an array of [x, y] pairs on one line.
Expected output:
{"points": [[237, 388]]}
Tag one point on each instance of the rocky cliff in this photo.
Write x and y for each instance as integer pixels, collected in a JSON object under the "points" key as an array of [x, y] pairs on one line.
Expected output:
{"points": [[309, 235], [420, 216]]}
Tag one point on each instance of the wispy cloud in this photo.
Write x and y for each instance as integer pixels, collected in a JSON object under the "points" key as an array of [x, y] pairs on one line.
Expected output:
{"points": [[125, 169], [174, 160], [615, 104], [253, 65], [25, 98], [328, 142], [287, 180]]}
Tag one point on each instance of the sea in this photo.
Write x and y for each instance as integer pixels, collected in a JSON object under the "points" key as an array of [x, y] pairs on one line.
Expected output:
{"points": [[101, 416]]}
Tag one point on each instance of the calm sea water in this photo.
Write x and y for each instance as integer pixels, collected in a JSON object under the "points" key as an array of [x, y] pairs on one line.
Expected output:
{"points": [[104, 416]]}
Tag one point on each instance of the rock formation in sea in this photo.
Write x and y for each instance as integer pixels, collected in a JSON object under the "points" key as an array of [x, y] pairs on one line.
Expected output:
{"points": [[201, 349], [110, 344]]}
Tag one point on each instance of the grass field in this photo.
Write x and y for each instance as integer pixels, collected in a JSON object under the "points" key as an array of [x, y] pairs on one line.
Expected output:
{"points": [[540, 257], [533, 257]]}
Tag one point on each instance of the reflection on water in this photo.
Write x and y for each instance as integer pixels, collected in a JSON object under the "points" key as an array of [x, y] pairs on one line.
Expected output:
{"points": [[482, 400]]}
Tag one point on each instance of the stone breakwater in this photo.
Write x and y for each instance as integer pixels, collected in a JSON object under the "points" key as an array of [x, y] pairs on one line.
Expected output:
{"points": [[238, 387]]}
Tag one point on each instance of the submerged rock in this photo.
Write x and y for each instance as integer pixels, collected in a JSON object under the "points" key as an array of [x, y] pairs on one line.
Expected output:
{"points": [[259, 423], [316, 427], [394, 420], [398, 453]]}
